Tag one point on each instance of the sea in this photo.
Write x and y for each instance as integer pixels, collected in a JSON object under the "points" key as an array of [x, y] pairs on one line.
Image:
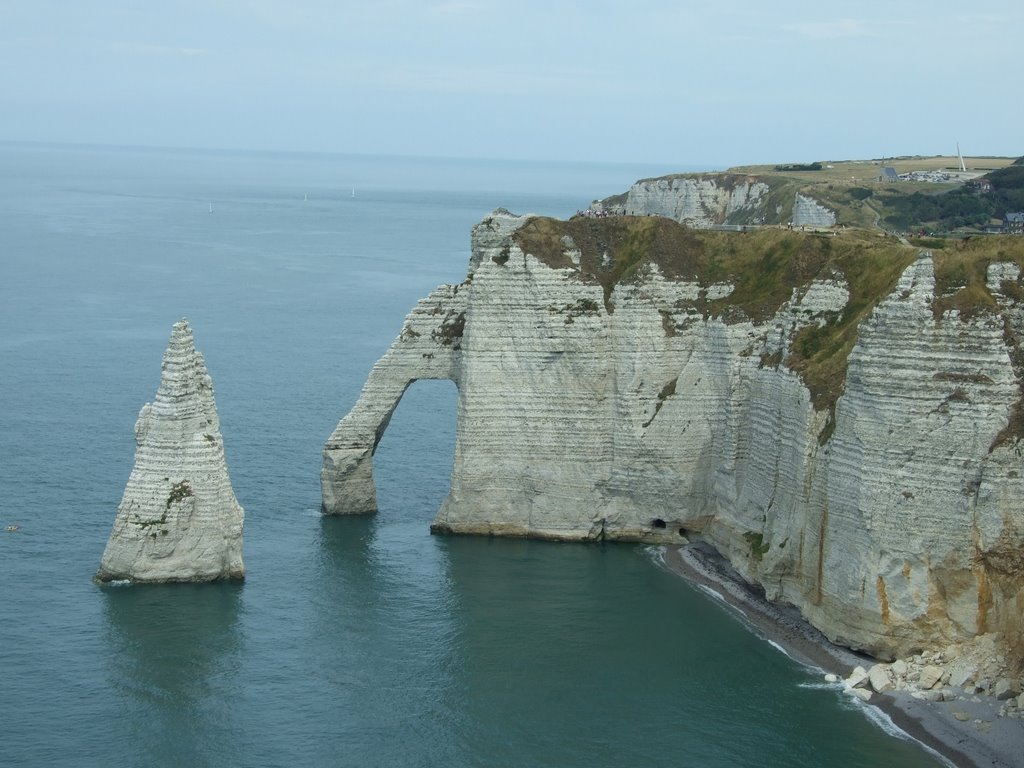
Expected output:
{"points": [[353, 641]]}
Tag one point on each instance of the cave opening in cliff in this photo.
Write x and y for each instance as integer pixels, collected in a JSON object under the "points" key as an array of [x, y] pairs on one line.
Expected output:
{"points": [[413, 461], [658, 523]]}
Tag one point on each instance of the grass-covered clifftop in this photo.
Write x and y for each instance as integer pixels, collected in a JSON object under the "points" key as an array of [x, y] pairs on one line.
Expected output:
{"points": [[765, 267], [936, 199]]}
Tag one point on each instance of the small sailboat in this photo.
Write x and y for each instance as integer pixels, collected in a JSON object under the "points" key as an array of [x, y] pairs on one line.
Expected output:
{"points": [[353, 191], [211, 207], [305, 197]]}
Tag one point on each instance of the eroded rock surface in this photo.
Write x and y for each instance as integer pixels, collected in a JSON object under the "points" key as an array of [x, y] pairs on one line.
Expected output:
{"points": [[178, 519], [808, 212], [703, 201], [858, 455], [698, 201]]}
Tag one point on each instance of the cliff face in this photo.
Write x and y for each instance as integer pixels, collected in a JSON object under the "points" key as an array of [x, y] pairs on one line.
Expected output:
{"points": [[720, 199], [808, 212], [841, 439], [178, 519], [698, 201]]}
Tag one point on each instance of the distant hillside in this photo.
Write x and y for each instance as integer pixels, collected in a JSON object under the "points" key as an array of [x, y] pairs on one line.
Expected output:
{"points": [[964, 206], [917, 193]]}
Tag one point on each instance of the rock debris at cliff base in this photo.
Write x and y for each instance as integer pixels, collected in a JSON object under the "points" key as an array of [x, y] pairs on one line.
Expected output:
{"points": [[968, 725]]}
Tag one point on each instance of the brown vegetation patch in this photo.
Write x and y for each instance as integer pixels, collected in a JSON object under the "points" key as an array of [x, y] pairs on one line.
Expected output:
{"points": [[972, 378], [1012, 289], [179, 492], [612, 249], [961, 269], [870, 267], [820, 354], [666, 392], [764, 268], [758, 546], [1014, 429], [449, 333]]}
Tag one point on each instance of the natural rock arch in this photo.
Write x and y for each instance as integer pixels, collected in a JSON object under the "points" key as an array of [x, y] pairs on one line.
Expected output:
{"points": [[883, 505], [428, 348]]}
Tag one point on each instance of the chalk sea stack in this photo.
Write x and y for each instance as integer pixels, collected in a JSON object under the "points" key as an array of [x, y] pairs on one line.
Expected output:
{"points": [[179, 519]]}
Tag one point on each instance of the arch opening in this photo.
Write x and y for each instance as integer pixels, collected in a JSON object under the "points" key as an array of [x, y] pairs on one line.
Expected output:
{"points": [[414, 450]]}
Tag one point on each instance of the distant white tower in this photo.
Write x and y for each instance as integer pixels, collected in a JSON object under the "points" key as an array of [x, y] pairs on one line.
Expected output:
{"points": [[963, 167]]}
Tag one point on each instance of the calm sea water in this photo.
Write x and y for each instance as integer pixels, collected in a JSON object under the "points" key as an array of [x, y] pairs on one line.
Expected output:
{"points": [[353, 642]]}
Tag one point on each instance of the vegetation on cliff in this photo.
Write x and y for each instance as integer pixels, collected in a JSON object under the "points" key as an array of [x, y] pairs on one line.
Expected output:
{"points": [[765, 268], [934, 200]]}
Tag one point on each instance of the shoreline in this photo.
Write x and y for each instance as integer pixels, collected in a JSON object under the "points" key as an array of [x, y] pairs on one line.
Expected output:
{"points": [[982, 740]]}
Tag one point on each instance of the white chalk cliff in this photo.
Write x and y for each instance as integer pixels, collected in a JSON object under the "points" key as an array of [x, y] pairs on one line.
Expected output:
{"points": [[808, 212], [178, 519], [719, 199], [695, 200], [645, 401]]}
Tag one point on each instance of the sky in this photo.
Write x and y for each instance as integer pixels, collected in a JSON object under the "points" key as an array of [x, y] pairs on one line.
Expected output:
{"points": [[692, 82]]}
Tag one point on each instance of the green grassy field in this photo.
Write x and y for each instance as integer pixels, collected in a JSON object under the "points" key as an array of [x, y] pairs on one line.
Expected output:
{"points": [[868, 171]]}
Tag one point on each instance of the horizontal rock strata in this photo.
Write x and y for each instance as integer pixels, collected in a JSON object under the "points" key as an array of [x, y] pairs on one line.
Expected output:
{"points": [[698, 201], [808, 212], [178, 519], [717, 200], [854, 454]]}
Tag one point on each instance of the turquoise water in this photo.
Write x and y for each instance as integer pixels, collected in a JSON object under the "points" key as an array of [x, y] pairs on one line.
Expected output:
{"points": [[353, 642]]}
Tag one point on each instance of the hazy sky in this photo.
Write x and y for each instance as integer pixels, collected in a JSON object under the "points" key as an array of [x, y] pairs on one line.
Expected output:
{"points": [[711, 82]]}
